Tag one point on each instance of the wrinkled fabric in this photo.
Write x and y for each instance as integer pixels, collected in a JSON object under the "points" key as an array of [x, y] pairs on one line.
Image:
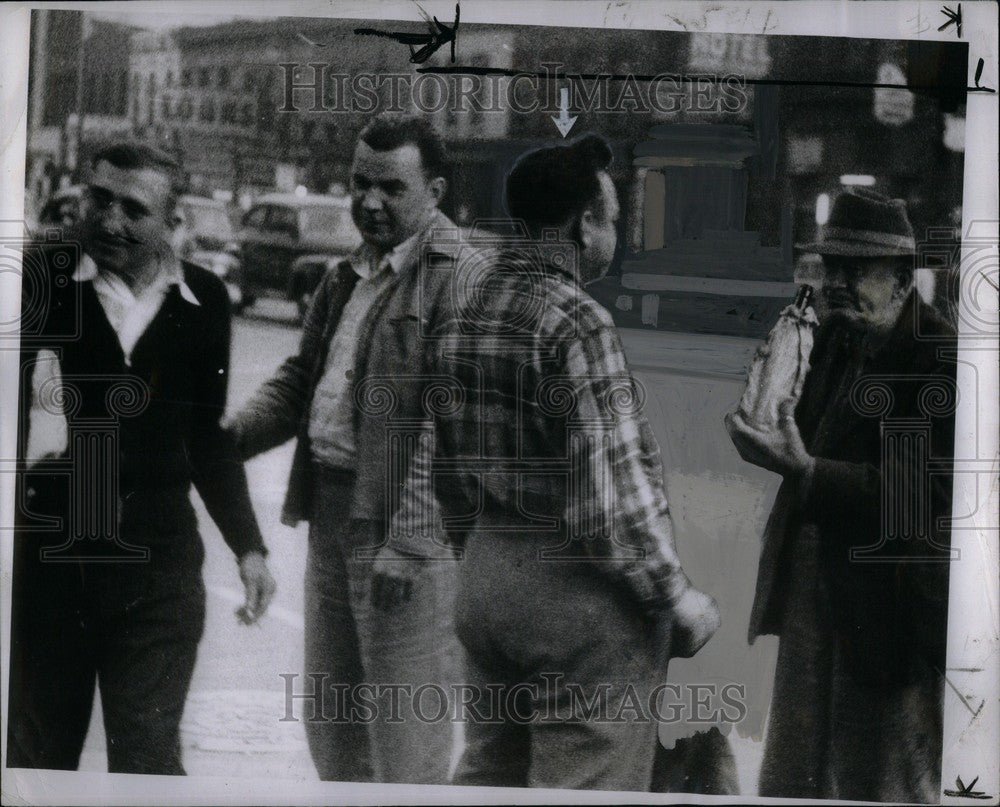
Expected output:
{"points": [[854, 582]]}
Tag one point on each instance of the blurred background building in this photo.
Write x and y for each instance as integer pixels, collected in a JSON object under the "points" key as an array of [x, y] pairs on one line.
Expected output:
{"points": [[719, 192], [714, 197]]}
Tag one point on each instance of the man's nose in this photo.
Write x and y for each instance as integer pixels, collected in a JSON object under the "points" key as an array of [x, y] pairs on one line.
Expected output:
{"points": [[112, 218], [371, 200], [835, 278]]}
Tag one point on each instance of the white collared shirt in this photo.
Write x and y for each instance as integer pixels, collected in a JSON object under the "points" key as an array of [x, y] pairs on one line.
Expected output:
{"points": [[128, 313], [331, 416], [363, 261]]}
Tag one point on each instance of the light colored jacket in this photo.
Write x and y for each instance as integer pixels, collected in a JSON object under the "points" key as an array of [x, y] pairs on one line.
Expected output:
{"points": [[387, 379]]}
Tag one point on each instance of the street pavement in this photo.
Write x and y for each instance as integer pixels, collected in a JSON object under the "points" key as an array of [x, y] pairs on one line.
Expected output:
{"points": [[234, 722]]}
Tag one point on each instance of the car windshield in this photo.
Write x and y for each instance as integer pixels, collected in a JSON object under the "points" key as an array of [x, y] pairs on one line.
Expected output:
{"points": [[60, 210], [333, 223], [209, 219]]}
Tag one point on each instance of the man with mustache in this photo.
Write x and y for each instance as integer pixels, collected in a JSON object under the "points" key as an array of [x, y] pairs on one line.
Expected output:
{"points": [[853, 574], [130, 354], [361, 339]]}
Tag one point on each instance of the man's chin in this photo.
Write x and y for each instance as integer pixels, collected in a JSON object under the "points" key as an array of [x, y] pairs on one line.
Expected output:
{"points": [[837, 309], [109, 256], [380, 239], [106, 254], [845, 319]]}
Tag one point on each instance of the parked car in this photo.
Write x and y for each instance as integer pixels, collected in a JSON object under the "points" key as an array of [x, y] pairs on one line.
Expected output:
{"points": [[199, 223], [306, 273], [282, 227], [225, 264], [62, 209], [205, 223]]}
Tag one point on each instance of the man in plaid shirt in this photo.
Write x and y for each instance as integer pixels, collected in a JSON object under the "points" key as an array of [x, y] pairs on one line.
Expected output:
{"points": [[572, 598]]}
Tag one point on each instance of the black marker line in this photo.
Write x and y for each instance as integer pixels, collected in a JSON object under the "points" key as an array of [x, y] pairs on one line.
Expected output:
{"points": [[510, 73], [961, 698], [954, 18]]}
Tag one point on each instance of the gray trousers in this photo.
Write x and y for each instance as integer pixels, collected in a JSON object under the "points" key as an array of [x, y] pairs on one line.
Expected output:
{"points": [[534, 630], [368, 660]]}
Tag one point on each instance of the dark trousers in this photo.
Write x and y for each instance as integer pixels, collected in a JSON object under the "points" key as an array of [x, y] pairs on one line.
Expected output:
{"points": [[524, 621], [133, 629], [364, 726], [839, 728], [703, 763]]}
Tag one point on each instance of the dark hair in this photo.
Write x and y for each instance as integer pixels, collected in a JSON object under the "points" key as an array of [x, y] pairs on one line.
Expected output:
{"points": [[133, 154], [387, 132], [550, 186]]}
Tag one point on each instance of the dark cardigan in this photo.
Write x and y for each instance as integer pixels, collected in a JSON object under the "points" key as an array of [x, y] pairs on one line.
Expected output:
{"points": [[166, 405]]}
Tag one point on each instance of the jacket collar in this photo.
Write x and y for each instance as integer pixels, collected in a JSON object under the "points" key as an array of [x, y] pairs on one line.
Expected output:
{"points": [[171, 274], [439, 235]]}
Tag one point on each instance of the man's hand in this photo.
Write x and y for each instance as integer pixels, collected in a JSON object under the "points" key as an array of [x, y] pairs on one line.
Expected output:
{"points": [[695, 619], [392, 577], [781, 450], [259, 587]]}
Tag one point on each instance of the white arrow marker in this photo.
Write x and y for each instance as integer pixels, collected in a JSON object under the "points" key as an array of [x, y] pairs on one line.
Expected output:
{"points": [[564, 122]]}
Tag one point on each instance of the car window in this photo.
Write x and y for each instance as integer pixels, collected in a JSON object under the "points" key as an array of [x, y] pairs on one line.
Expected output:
{"points": [[50, 213], [256, 217], [332, 223], [63, 210], [310, 264], [283, 220], [207, 219]]}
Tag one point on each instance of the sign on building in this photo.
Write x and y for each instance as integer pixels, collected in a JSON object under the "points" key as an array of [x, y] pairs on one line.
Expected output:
{"points": [[893, 107], [729, 53]]}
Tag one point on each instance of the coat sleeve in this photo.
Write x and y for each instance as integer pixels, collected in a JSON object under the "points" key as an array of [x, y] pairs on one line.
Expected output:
{"points": [[416, 524], [617, 512], [274, 412], [896, 585], [216, 466]]}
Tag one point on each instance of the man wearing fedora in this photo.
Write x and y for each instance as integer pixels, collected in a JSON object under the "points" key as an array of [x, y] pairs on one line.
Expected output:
{"points": [[853, 574]]}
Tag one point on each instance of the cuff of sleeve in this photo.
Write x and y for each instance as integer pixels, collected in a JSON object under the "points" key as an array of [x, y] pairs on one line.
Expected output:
{"points": [[261, 550], [415, 536], [249, 540], [658, 593], [415, 543]]}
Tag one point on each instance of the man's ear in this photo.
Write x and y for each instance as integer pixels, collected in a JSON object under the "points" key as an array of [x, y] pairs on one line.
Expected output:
{"points": [[586, 224], [904, 277], [438, 188], [173, 214]]}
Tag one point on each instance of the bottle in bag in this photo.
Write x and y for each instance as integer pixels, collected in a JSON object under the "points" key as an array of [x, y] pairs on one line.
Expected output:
{"points": [[780, 365]]}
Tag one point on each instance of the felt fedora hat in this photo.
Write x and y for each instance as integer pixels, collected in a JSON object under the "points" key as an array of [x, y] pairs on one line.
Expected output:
{"points": [[865, 224]]}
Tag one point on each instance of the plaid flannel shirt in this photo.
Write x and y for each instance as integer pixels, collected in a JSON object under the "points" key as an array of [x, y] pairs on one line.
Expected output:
{"points": [[539, 428]]}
